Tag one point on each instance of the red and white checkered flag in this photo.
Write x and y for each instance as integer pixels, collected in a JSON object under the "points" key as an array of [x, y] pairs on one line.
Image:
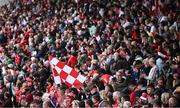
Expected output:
{"points": [[64, 73]]}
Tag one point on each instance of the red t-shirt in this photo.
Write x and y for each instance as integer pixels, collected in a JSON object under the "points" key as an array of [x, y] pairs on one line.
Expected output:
{"points": [[116, 104]]}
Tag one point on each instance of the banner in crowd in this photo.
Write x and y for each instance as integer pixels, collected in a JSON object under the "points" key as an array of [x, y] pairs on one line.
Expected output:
{"points": [[65, 74]]}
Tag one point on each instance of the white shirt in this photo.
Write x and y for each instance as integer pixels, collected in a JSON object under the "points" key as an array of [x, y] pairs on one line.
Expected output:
{"points": [[152, 73]]}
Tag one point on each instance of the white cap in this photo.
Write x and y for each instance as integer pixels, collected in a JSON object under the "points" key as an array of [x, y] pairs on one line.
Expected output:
{"points": [[10, 65]]}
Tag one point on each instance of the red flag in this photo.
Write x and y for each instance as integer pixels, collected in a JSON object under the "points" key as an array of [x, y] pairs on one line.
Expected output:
{"points": [[66, 74]]}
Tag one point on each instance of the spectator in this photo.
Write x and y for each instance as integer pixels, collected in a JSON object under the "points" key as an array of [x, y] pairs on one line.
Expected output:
{"points": [[104, 98], [165, 98], [172, 102], [34, 105], [117, 99], [8, 101], [94, 91], [153, 72], [150, 91], [126, 101], [144, 100], [120, 83], [96, 100], [88, 103], [68, 101], [75, 104], [176, 94]]}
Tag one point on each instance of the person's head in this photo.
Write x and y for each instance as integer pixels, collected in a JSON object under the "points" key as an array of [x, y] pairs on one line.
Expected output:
{"points": [[176, 92], [68, 100], [24, 84], [95, 98], [110, 97], [165, 98], [116, 95], [75, 104], [94, 64], [172, 102], [34, 105], [24, 103], [37, 96], [61, 89], [175, 75], [46, 104], [125, 98], [160, 83], [103, 94], [157, 94], [137, 99], [146, 62], [144, 98], [127, 104], [150, 89], [116, 56], [73, 92], [88, 103], [119, 74], [152, 61], [88, 61], [93, 89]]}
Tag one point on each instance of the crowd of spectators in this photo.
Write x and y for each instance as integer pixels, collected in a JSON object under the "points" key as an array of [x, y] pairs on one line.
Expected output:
{"points": [[134, 41]]}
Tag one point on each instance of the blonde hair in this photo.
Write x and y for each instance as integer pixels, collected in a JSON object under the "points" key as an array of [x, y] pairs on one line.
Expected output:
{"points": [[165, 98], [103, 94], [117, 94], [172, 101]]}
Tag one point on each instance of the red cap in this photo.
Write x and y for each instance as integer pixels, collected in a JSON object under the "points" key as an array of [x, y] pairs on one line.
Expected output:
{"points": [[144, 96]]}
